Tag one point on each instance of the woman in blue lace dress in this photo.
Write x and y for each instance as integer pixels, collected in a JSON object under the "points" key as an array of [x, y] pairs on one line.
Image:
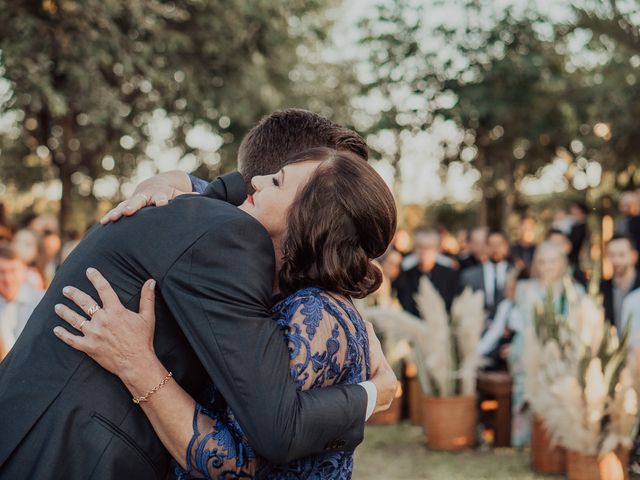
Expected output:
{"points": [[328, 214]]}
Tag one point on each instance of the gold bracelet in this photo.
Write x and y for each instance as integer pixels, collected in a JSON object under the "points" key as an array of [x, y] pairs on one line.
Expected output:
{"points": [[145, 398]]}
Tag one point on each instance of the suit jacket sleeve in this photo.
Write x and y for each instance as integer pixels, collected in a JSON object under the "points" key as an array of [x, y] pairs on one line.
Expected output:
{"points": [[220, 293], [230, 188]]}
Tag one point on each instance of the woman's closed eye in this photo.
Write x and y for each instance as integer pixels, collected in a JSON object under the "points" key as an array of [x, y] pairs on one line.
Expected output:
{"points": [[275, 181]]}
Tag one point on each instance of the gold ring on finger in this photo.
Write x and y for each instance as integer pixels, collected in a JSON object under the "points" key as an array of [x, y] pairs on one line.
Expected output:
{"points": [[81, 325], [92, 311]]}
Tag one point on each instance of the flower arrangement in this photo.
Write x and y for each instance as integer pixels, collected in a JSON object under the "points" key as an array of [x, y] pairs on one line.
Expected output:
{"points": [[444, 350], [578, 378]]}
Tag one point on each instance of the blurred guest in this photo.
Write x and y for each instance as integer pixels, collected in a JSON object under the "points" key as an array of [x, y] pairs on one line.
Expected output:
{"points": [[18, 299], [73, 239], [578, 233], [495, 341], [562, 221], [477, 248], [623, 255], [549, 270], [631, 314], [26, 244], [490, 276], [629, 221], [444, 279], [390, 264], [561, 238], [41, 224], [443, 259], [402, 241], [5, 234], [50, 250], [522, 251]]}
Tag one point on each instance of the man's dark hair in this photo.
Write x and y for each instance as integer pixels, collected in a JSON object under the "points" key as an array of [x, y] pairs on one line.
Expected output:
{"points": [[268, 145], [624, 236], [583, 207]]}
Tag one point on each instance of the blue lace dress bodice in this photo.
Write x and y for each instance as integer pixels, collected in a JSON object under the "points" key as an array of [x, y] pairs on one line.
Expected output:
{"points": [[328, 345]]}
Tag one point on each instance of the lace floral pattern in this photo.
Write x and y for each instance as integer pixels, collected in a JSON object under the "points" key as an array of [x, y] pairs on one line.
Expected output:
{"points": [[328, 345]]}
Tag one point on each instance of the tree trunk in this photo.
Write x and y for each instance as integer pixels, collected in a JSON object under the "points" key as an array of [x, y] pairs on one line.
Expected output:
{"points": [[397, 181], [509, 196], [483, 214]]}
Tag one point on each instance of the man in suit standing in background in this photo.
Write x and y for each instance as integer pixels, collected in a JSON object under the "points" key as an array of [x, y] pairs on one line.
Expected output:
{"points": [[444, 279], [623, 255], [491, 275]]}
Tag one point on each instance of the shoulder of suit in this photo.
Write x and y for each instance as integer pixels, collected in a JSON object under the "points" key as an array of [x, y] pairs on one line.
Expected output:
{"points": [[239, 224]]}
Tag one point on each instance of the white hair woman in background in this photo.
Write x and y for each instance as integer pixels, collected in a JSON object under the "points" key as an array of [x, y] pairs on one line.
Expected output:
{"points": [[549, 274]]}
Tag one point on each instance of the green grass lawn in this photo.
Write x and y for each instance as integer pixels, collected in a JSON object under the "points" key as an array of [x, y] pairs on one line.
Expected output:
{"points": [[399, 452]]}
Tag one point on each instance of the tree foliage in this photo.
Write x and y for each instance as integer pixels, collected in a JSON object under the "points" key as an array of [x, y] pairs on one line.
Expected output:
{"points": [[88, 76]]}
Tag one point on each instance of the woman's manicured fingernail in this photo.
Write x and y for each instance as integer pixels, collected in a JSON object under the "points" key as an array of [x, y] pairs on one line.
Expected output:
{"points": [[152, 285], [66, 290], [57, 330], [91, 270], [58, 307]]}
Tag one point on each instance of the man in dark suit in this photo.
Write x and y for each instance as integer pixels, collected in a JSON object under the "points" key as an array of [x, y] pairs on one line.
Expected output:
{"points": [[477, 241], [623, 255], [578, 233], [63, 416], [524, 248], [490, 276], [444, 279]]}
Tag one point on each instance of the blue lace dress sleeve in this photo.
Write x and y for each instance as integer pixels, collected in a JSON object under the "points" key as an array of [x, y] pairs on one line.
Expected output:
{"points": [[328, 345], [198, 185]]}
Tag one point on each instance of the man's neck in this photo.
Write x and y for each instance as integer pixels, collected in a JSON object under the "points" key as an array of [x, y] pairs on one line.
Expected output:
{"points": [[426, 268]]}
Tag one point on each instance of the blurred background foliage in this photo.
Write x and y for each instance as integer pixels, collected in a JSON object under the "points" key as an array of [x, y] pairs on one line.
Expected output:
{"points": [[97, 94]]}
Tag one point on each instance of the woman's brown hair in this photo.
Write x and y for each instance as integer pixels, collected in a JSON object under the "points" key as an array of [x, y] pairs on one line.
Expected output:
{"points": [[344, 217]]}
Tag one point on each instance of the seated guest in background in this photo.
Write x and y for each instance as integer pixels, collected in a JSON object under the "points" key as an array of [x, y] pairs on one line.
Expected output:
{"points": [[444, 279], [623, 255], [561, 238], [27, 245], [548, 271], [491, 275], [477, 248], [391, 264], [522, 251], [18, 298], [495, 341], [578, 232]]}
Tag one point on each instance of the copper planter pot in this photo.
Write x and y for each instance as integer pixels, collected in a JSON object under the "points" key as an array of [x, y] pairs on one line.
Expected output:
{"points": [[612, 466], [450, 422], [545, 458]]}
